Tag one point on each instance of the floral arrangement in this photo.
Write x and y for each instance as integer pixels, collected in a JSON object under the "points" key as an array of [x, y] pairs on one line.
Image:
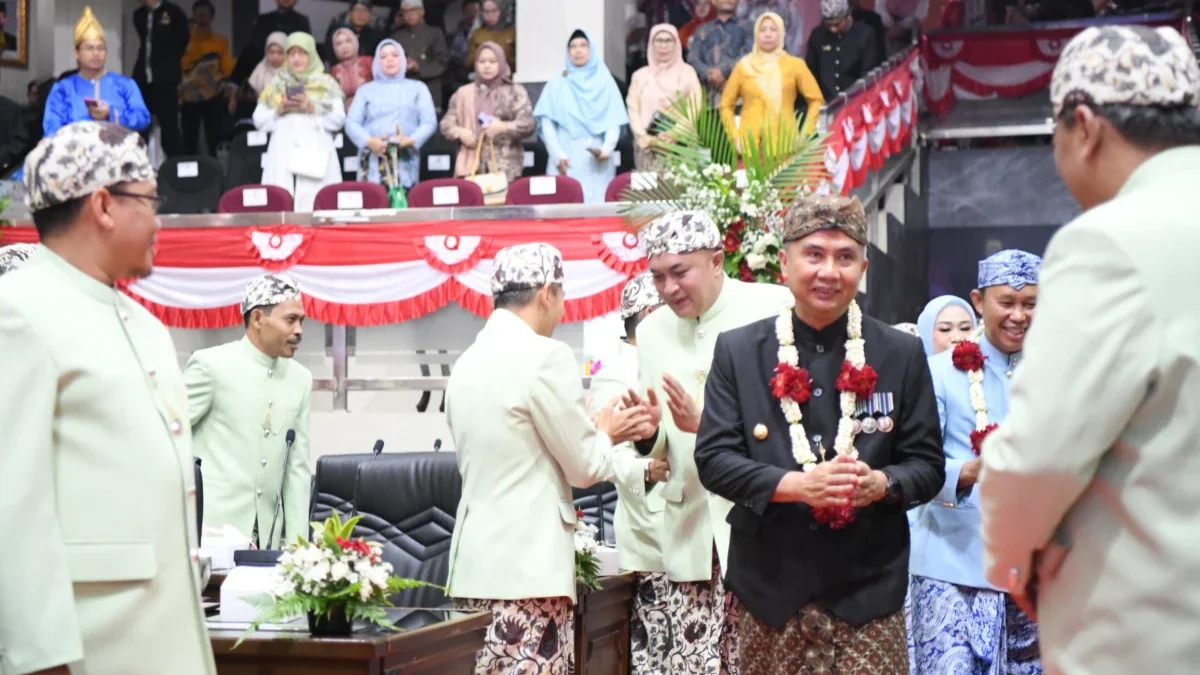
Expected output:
{"points": [[699, 168], [332, 574], [587, 565], [969, 358]]}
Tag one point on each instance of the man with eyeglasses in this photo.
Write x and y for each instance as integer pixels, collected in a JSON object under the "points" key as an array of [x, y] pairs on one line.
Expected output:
{"points": [[97, 572]]}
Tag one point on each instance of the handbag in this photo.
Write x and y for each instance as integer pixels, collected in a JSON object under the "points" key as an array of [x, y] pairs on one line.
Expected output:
{"points": [[308, 159], [495, 184]]}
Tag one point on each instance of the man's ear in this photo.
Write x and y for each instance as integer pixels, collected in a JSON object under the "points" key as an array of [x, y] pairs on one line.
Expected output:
{"points": [[977, 301]]}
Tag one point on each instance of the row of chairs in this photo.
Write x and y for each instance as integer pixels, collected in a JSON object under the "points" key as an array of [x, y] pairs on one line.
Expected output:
{"points": [[408, 502]]}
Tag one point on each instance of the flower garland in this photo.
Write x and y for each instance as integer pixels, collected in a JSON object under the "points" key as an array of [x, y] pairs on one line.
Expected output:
{"points": [[969, 358], [793, 387]]}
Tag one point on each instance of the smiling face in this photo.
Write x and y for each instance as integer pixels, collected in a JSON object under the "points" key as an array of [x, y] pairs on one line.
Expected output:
{"points": [[952, 325], [823, 271], [389, 60], [580, 52], [297, 59], [688, 283], [131, 225], [768, 37], [1007, 314]]}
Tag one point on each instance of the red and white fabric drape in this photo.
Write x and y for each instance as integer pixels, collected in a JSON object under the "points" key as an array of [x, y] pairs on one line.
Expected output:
{"points": [[872, 126], [966, 65], [368, 275]]}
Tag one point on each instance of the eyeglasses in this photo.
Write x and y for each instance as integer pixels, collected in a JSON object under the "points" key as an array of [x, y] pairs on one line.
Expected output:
{"points": [[156, 202]]}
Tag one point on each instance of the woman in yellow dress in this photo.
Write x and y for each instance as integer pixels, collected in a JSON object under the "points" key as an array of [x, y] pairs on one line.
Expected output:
{"points": [[768, 80]]}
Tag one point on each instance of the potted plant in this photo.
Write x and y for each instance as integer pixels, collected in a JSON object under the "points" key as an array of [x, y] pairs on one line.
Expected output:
{"points": [[333, 579], [587, 565], [699, 168]]}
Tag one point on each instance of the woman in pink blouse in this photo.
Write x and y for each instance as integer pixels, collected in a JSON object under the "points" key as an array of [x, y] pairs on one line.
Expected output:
{"points": [[351, 71]]}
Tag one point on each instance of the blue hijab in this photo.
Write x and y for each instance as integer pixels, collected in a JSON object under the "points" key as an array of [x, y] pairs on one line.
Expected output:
{"points": [[584, 100], [929, 315], [377, 71]]}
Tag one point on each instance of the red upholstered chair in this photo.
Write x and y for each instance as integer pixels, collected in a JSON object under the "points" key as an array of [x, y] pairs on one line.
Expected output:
{"points": [[351, 195], [255, 199], [617, 186], [567, 190], [442, 192]]}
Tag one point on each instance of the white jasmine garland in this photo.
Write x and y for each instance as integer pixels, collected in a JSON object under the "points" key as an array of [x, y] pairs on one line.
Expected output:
{"points": [[855, 355], [975, 377]]}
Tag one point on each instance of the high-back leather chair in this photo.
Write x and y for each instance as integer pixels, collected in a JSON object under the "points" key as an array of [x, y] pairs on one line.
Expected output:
{"points": [[333, 486], [599, 506], [408, 503], [191, 184]]}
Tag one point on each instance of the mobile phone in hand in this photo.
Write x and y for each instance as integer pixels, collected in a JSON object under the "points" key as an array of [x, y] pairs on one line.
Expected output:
{"points": [[91, 102], [295, 91], [484, 119]]}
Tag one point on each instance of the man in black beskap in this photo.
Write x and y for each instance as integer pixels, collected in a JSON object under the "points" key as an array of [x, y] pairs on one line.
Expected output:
{"points": [[818, 557], [164, 31]]}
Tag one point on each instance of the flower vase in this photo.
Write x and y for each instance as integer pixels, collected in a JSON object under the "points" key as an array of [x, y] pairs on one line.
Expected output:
{"points": [[335, 623]]}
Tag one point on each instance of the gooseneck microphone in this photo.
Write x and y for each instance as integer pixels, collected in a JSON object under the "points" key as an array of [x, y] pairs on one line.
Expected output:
{"points": [[437, 444], [289, 439], [378, 449], [268, 557]]}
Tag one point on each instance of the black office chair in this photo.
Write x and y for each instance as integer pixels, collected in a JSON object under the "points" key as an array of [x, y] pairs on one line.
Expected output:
{"points": [[244, 163], [333, 486], [437, 158], [346, 150], [541, 158], [599, 506], [191, 184], [408, 502]]}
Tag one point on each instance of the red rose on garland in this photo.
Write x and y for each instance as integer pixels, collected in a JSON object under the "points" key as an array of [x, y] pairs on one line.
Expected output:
{"points": [[791, 382], [978, 435], [967, 356], [858, 381], [835, 517], [357, 545]]}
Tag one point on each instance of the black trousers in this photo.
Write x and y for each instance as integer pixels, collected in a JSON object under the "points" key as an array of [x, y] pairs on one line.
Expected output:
{"points": [[162, 99], [211, 114]]}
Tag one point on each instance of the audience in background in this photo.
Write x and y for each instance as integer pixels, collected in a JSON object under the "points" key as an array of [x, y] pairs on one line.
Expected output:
{"points": [[243, 101], [488, 118], [580, 114], [656, 87], [872, 20], [360, 20], [349, 69], [425, 45], [793, 23], [717, 46], [285, 19], [163, 31], [93, 93], [207, 63], [769, 82], [458, 40], [300, 109], [704, 13], [494, 29], [903, 19], [392, 117], [841, 50]]}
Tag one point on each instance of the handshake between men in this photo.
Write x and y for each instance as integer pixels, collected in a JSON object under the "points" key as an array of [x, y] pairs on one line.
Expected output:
{"points": [[628, 418]]}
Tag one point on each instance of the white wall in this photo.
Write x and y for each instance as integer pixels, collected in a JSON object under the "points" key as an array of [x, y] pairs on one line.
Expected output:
{"points": [[551, 22]]}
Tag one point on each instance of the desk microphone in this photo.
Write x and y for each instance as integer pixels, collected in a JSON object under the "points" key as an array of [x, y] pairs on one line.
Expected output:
{"points": [[269, 557], [378, 449], [437, 444]]}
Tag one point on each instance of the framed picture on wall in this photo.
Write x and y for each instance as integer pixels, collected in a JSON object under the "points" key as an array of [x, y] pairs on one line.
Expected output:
{"points": [[14, 27]]}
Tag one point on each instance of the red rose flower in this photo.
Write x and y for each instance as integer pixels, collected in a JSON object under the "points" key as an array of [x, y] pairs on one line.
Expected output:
{"points": [[967, 356], [579, 513], [835, 517], [978, 435], [791, 382], [732, 242], [858, 381], [357, 546]]}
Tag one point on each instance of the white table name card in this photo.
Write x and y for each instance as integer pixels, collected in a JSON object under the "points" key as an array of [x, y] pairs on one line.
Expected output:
{"points": [[350, 164], [445, 195], [187, 169], [528, 161], [256, 139], [350, 200], [542, 185], [438, 162], [253, 197], [339, 141]]}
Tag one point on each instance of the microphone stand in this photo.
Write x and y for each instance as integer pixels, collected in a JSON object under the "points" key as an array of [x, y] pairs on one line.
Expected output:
{"points": [[287, 456], [268, 557]]}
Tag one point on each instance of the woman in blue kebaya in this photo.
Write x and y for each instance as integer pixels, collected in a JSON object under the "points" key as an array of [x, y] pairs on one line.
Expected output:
{"points": [[579, 115], [391, 109]]}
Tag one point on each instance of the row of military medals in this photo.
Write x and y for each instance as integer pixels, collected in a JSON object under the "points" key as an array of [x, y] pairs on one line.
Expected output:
{"points": [[877, 411]]}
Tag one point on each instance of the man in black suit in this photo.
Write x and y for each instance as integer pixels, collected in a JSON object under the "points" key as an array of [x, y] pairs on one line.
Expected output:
{"points": [[164, 31], [821, 426]]}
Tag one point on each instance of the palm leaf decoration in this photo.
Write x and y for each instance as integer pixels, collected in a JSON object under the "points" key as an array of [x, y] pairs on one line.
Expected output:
{"points": [[692, 136]]}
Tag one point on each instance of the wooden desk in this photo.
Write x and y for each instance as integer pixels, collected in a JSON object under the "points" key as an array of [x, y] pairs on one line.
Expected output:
{"points": [[446, 648], [602, 627]]}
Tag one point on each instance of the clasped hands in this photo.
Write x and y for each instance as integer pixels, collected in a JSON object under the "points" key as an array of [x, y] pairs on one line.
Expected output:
{"points": [[840, 482]]}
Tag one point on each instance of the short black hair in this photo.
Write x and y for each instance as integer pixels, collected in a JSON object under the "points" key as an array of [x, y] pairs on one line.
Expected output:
{"points": [[204, 3], [266, 309], [53, 220], [631, 324], [516, 298], [1147, 126]]}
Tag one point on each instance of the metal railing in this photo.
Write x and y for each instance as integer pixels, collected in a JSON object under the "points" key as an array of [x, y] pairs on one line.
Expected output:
{"points": [[832, 107]]}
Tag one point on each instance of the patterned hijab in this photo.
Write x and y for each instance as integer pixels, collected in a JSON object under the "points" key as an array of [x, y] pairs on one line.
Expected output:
{"points": [[584, 100], [763, 66], [321, 89], [668, 77]]}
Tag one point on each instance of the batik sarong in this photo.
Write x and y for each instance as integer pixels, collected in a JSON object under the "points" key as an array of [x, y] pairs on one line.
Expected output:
{"points": [[816, 642], [649, 625], [972, 631], [531, 637], [703, 629]]}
